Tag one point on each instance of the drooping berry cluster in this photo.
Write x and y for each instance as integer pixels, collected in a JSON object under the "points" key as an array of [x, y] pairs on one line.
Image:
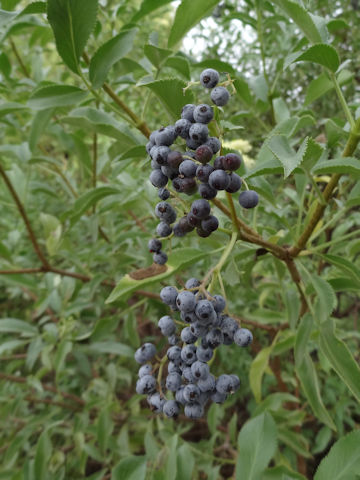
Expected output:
{"points": [[189, 381], [191, 171]]}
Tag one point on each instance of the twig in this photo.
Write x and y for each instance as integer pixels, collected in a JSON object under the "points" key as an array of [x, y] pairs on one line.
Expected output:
{"points": [[49, 388], [22, 212]]}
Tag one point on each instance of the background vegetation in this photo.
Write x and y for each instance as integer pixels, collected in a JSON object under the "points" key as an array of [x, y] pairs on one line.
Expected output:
{"points": [[82, 85]]}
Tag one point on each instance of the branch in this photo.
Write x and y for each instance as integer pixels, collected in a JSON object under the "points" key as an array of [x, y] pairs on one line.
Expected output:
{"points": [[140, 125], [49, 388], [350, 147], [19, 59], [21, 209]]}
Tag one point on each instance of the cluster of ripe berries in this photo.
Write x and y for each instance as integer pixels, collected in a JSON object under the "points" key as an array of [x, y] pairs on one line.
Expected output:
{"points": [[191, 172], [189, 380]]}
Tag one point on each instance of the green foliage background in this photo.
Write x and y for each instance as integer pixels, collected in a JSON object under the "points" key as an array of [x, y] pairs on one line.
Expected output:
{"points": [[82, 84]]}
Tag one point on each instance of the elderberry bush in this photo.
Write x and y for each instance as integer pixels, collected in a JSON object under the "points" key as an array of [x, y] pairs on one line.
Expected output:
{"points": [[189, 384], [190, 168]]}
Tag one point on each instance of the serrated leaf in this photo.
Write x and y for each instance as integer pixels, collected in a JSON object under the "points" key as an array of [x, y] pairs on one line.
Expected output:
{"points": [[13, 325], [91, 119], [344, 265], [223, 67], [280, 147], [148, 6], [88, 199], [321, 53], [318, 87], [56, 96], [339, 165], [340, 357], [312, 154], [325, 298], [179, 64], [302, 18], [188, 14], [343, 460], [257, 445], [156, 55], [72, 22], [34, 7], [108, 54], [130, 468], [272, 166], [170, 93], [179, 259]]}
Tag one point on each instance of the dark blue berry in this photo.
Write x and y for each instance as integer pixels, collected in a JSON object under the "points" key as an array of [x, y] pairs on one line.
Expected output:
{"points": [[209, 78], [206, 191], [203, 114], [163, 229], [158, 179], [154, 245], [187, 112], [200, 209], [188, 168], [248, 199], [182, 127], [220, 96], [160, 258], [243, 337], [199, 132]]}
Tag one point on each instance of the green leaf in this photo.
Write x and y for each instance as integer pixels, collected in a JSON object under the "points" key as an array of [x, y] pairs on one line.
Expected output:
{"points": [[180, 258], [281, 473], [9, 107], [42, 457], [217, 64], [185, 463], [39, 123], [323, 54], [108, 54], [104, 429], [34, 7], [257, 370], [321, 85], [113, 348], [156, 55], [72, 22], [346, 165], [188, 14], [340, 357], [88, 199], [344, 265], [91, 119], [148, 6], [56, 96], [257, 446], [280, 147], [312, 154], [302, 337], [179, 64], [310, 386], [343, 460], [170, 93], [325, 298], [302, 18], [307, 375], [13, 325], [130, 468]]}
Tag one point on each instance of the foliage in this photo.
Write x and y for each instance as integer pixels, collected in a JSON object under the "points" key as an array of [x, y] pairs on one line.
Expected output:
{"points": [[82, 84]]}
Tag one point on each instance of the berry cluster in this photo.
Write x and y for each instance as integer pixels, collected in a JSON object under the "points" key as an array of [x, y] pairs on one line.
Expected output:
{"points": [[191, 171], [205, 327]]}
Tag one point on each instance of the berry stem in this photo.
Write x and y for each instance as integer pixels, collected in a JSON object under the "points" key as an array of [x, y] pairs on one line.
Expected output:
{"points": [[160, 372]]}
